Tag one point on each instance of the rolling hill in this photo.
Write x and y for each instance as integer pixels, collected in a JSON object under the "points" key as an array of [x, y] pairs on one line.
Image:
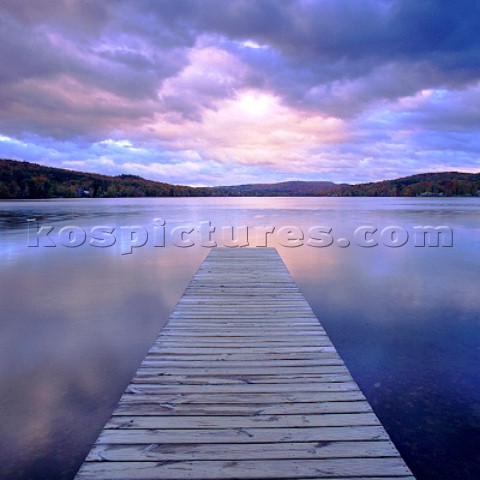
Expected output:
{"points": [[25, 180]]}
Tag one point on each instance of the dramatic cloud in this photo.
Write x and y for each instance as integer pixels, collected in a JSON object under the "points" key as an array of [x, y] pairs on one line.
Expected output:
{"points": [[217, 92]]}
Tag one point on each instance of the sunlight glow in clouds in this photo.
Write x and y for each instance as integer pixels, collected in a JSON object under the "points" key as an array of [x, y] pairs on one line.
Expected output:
{"points": [[252, 129], [259, 105], [266, 91]]}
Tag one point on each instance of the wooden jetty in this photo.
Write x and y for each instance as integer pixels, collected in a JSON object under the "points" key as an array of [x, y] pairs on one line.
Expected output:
{"points": [[243, 383]]}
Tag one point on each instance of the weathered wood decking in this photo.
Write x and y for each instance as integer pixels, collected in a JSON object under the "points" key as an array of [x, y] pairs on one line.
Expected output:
{"points": [[243, 383]]}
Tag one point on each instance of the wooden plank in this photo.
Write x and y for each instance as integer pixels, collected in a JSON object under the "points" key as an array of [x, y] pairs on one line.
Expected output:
{"points": [[196, 350], [256, 421], [326, 352], [244, 333], [289, 343], [252, 328], [245, 398], [245, 370], [243, 435], [248, 388], [311, 408], [162, 363], [242, 383], [248, 469], [252, 451], [152, 378], [243, 340]]}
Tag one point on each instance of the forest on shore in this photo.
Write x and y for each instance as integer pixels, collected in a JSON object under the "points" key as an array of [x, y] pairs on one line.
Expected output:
{"points": [[25, 180]]}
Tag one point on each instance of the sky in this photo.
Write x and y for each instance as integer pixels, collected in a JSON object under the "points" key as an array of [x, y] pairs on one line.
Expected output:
{"points": [[217, 92]]}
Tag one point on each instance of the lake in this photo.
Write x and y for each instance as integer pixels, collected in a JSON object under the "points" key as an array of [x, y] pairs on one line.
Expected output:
{"points": [[79, 312]]}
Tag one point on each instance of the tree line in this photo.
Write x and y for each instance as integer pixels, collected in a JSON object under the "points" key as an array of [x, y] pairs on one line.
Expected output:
{"points": [[24, 180]]}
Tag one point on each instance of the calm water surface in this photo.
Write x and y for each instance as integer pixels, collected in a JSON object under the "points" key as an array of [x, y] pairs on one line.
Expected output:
{"points": [[76, 322]]}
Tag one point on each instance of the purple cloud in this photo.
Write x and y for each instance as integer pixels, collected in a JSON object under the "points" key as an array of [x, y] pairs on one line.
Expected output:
{"points": [[217, 92]]}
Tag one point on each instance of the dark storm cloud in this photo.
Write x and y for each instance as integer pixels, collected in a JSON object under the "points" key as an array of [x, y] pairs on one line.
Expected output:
{"points": [[343, 39], [402, 46], [316, 47], [52, 52]]}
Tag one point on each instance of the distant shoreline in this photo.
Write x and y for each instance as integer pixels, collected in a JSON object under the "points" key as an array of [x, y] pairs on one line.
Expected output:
{"points": [[31, 181]]}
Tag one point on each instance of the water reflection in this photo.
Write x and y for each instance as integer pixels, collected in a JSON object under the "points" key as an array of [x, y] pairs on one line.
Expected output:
{"points": [[75, 323]]}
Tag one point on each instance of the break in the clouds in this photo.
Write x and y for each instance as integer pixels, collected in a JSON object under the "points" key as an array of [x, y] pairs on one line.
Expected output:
{"points": [[214, 92]]}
